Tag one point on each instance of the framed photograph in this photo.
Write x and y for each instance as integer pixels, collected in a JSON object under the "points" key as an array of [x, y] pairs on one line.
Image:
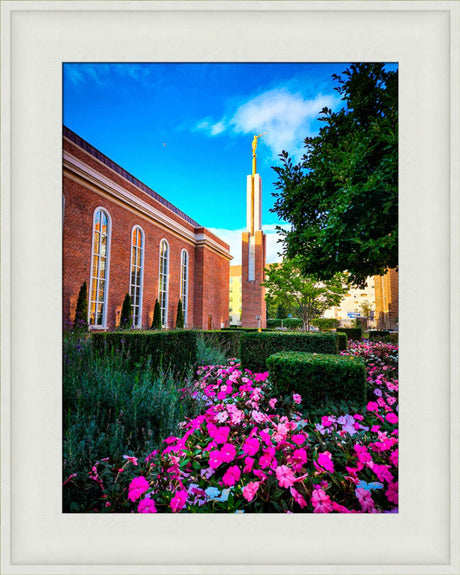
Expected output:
{"points": [[423, 40]]}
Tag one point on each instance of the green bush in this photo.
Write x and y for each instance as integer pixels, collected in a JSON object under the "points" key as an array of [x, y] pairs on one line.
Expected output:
{"points": [[175, 350], [320, 379], [378, 334], [81, 311], [289, 322], [156, 322], [225, 340], [126, 313], [179, 316], [342, 341], [257, 347], [325, 322], [352, 332]]}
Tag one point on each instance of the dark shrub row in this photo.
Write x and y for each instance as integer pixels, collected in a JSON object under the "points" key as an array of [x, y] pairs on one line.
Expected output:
{"points": [[319, 378], [289, 322], [257, 347], [352, 332], [342, 340]]}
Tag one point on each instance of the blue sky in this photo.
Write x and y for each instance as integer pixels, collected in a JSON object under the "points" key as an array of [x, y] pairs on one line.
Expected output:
{"points": [[186, 130]]}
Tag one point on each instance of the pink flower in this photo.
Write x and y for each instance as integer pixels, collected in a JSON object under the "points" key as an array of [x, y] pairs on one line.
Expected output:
{"points": [[391, 418], [394, 458], [215, 459], [178, 501], [365, 499], [363, 455], [265, 437], [146, 505], [250, 490], [228, 452], [382, 472], [132, 460], [285, 476], [249, 463], [231, 476], [298, 497], [298, 439], [392, 492], [251, 446], [300, 456], [297, 398], [272, 402], [137, 487], [372, 406], [325, 461], [321, 501]]}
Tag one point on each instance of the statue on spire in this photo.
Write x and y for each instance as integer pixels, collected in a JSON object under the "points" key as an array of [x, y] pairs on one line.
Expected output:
{"points": [[254, 143]]}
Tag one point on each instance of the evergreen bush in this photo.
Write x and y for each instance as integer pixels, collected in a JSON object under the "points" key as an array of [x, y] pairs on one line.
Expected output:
{"points": [[126, 313], [180, 316], [352, 332], [378, 334], [321, 379], [255, 348], [342, 341], [81, 312], [156, 323]]}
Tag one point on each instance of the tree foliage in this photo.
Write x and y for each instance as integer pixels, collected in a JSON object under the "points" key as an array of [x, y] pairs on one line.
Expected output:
{"points": [[156, 323], [287, 285], [179, 316], [342, 198]]}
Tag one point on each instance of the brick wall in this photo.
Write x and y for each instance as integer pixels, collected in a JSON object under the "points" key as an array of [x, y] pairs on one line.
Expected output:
{"points": [[386, 300], [208, 273]]}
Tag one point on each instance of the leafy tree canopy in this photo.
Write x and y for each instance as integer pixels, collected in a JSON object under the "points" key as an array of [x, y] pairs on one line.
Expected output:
{"points": [[286, 285], [342, 198]]}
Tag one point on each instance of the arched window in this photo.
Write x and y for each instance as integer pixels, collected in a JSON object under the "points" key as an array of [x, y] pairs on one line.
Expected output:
{"points": [[137, 273], [163, 281], [99, 269], [184, 283]]}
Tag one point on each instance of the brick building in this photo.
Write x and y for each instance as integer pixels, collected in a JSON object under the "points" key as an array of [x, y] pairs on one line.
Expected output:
{"points": [[386, 300], [120, 237]]}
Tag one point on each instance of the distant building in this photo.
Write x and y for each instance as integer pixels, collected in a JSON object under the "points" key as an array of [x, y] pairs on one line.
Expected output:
{"points": [[350, 307], [120, 237]]}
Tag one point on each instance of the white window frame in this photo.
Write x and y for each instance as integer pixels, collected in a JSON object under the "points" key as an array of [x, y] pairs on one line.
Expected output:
{"points": [[164, 310], [141, 279], [107, 271], [184, 300]]}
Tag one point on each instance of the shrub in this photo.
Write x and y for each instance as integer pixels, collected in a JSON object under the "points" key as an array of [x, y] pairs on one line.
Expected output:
{"points": [[180, 316], [325, 322], [342, 340], [257, 347], [164, 350], [226, 341], [290, 323], [156, 322], [352, 332], [378, 334], [81, 312], [210, 350], [321, 379], [126, 313]]}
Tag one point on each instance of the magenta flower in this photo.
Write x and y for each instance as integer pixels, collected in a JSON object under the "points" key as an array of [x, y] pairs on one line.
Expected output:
{"points": [[325, 461], [131, 459], [391, 418], [392, 493], [300, 456], [372, 406], [221, 434], [382, 472], [285, 476], [251, 446], [137, 487], [178, 501], [272, 402], [248, 464], [250, 490], [321, 501], [297, 398], [298, 439], [215, 459], [365, 499], [393, 459], [228, 452], [146, 505], [231, 476], [298, 497]]}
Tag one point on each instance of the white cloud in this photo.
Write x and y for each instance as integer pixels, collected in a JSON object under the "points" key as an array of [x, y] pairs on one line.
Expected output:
{"points": [[285, 116], [233, 238]]}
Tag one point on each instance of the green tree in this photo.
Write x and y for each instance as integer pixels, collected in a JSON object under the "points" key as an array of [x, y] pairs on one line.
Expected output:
{"points": [[342, 198], [366, 310], [126, 313], [288, 285], [81, 311], [156, 323], [179, 316]]}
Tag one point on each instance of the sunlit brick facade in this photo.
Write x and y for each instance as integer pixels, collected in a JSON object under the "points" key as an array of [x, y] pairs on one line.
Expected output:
{"points": [[120, 237]]}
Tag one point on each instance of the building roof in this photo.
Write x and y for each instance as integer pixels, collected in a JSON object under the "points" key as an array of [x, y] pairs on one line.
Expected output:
{"points": [[84, 145]]}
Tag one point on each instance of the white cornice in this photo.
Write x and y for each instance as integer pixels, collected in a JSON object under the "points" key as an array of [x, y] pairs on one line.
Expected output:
{"points": [[118, 192]]}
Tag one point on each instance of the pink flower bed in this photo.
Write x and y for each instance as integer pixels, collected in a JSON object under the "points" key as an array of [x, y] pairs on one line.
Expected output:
{"points": [[251, 452]]}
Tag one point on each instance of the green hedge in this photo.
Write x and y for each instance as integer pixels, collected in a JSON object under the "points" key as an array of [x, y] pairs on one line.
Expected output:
{"points": [[320, 379], [378, 333], [352, 332], [257, 347], [325, 322], [289, 322], [227, 340], [342, 340], [175, 349]]}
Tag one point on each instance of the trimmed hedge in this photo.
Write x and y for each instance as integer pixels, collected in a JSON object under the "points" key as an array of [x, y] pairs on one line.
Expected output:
{"points": [[352, 332], [378, 333], [342, 341], [227, 340], [175, 349], [320, 379], [257, 347], [325, 322], [289, 322]]}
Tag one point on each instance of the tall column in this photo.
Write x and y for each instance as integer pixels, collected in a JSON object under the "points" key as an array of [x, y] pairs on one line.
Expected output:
{"points": [[253, 252]]}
